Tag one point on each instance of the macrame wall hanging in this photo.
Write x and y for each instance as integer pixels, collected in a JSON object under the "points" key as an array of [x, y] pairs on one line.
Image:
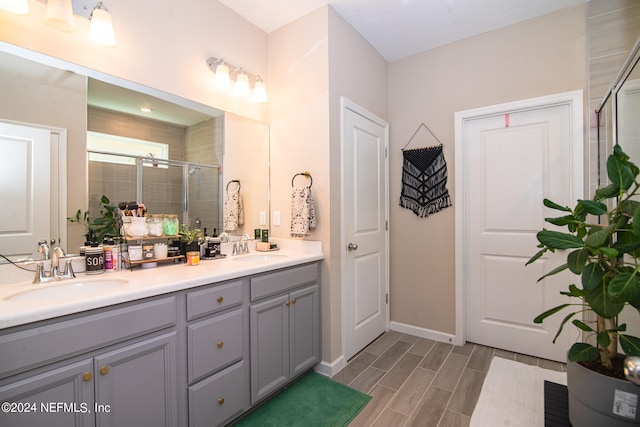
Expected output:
{"points": [[424, 178]]}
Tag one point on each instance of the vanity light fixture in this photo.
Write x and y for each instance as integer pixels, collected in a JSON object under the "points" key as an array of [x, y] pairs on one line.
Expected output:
{"points": [[20, 7], [225, 73], [101, 29], [59, 15]]}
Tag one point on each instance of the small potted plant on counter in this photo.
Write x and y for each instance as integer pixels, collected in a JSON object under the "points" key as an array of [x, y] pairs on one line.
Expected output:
{"points": [[107, 224], [189, 239], [605, 255]]}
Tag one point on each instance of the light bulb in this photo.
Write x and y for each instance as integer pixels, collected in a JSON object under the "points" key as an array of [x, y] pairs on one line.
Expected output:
{"points": [[222, 80], [242, 85], [260, 91], [59, 15], [101, 29], [19, 7]]}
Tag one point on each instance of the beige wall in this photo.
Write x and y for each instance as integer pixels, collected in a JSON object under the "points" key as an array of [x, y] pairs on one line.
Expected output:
{"points": [[538, 57]]}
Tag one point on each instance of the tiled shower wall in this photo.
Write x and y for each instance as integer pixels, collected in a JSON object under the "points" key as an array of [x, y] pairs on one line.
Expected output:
{"points": [[613, 27], [200, 143]]}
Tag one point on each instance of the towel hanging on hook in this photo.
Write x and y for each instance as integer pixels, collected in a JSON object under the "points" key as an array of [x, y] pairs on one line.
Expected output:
{"points": [[422, 125], [233, 180]]}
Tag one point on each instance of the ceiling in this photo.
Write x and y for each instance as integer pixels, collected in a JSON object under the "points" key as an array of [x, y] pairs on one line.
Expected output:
{"points": [[401, 28]]}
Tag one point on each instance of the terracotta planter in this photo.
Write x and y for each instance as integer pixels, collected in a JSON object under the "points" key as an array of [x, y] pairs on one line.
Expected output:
{"points": [[596, 400]]}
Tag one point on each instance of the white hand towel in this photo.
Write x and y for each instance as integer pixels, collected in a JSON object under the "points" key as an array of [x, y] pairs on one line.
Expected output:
{"points": [[233, 211], [303, 212]]}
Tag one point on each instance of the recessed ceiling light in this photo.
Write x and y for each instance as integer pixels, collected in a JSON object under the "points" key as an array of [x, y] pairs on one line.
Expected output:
{"points": [[146, 109]]}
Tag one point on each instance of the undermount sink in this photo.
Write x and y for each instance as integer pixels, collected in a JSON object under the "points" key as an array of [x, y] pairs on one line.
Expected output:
{"points": [[55, 291], [259, 258]]}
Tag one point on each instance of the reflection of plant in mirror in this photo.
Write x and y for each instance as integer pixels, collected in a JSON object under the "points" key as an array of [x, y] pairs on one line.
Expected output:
{"points": [[190, 236], [104, 225]]}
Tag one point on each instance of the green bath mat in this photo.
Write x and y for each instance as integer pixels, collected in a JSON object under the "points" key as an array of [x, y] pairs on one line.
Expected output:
{"points": [[313, 400]]}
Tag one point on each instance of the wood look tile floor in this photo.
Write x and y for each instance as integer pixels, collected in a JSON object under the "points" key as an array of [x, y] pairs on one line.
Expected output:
{"points": [[418, 382]]}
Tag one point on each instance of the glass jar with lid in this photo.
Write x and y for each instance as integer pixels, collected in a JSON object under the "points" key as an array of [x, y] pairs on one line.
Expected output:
{"points": [[171, 225], [155, 224]]}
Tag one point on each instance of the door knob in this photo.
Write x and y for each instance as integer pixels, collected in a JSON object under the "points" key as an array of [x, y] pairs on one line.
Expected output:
{"points": [[352, 247]]}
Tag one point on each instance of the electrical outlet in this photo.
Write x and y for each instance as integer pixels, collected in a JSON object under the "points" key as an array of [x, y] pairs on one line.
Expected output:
{"points": [[263, 218], [276, 217]]}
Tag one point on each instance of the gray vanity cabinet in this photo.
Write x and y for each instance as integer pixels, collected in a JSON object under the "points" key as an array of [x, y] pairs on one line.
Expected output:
{"points": [[285, 327], [111, 368]]}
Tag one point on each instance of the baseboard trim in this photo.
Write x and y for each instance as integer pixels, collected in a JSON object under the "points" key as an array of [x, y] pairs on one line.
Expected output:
{"points": [[330, 369], [423, 333]]}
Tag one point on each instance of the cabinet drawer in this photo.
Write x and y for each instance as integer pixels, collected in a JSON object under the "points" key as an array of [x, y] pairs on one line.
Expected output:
{"points": [[218, 398], [214, 343], [57, 340], [211, 300], [282, 281]]}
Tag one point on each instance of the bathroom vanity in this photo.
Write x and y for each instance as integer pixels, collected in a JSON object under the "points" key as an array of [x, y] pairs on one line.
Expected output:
{"points": [[174, 346]]}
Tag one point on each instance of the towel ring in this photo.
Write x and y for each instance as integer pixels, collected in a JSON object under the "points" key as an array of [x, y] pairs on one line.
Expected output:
{"points": [[233, 180], [307, 174]]}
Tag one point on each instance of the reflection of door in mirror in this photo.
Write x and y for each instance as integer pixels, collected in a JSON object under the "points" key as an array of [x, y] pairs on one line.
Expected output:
{"points": [[628, 108], [24, 188]]}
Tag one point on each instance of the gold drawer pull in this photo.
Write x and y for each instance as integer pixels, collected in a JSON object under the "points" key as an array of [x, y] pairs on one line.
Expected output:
{"points": [[87, 376], [288, 303], [294, 300], [104, 370], [220, 299], [220, 344], [221, 401]]}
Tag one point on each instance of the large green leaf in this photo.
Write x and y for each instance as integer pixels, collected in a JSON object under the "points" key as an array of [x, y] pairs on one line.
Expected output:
{"points": [[558, 240], [592, 275], [598, 236], [561, 221], [635, 226], [619, 173], [580, 352], [555, 271], [624, 287], [548, 203], [549, 312], [582, 326], [629, 207], [536, 256], [630, 345], [577, 260], [602, 304], [619, 153], [607, 192], [592, 207], [609, 252]]}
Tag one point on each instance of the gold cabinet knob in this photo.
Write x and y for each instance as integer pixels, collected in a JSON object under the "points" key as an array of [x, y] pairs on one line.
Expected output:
{"points": [[220, 299], [87, 376], [104, 370], [294, 300], [221, 401], [220, 344], [288, 303]]}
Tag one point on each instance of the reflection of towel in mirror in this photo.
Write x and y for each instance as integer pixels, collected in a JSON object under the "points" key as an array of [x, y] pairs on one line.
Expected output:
{"points": [[233, 211], [303, 212]]}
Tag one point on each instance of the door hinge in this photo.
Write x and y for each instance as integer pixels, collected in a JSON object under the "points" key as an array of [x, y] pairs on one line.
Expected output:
{"points": [[386, 225], [386, 152], [387, 298]]}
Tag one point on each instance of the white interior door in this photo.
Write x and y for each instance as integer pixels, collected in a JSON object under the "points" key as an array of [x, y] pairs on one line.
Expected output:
{"points": [[512, 161], [24, 188], [365, 237]]}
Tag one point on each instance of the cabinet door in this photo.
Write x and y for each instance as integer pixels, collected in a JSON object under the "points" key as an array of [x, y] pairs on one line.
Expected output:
{"points": [[219, 398], [62, 397], [269, 346], [304, 329], [136, 385]]}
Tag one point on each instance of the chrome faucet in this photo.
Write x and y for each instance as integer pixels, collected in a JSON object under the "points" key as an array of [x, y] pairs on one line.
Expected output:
{"points": [[241, 247], [54, 272]]}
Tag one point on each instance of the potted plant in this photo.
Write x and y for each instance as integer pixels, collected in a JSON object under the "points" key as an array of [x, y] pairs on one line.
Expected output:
{"points": [[189, 239], [605, 254], [107, 224]]}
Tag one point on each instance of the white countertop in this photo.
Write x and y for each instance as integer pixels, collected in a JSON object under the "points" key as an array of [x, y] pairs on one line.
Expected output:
{"points": [[143, 283]]}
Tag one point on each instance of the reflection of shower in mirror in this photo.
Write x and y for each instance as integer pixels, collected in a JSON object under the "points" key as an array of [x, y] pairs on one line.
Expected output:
{"points": [[192, 171]]}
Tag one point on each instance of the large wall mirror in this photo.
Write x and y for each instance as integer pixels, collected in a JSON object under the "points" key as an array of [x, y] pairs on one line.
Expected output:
{"points": [[69, 137]]}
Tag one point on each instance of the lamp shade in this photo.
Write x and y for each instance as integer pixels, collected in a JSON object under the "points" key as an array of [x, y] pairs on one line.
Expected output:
{"points": [[222, 79], [15, 6], [260, 91], [101, 29], [242, 85], [59, 15]]}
